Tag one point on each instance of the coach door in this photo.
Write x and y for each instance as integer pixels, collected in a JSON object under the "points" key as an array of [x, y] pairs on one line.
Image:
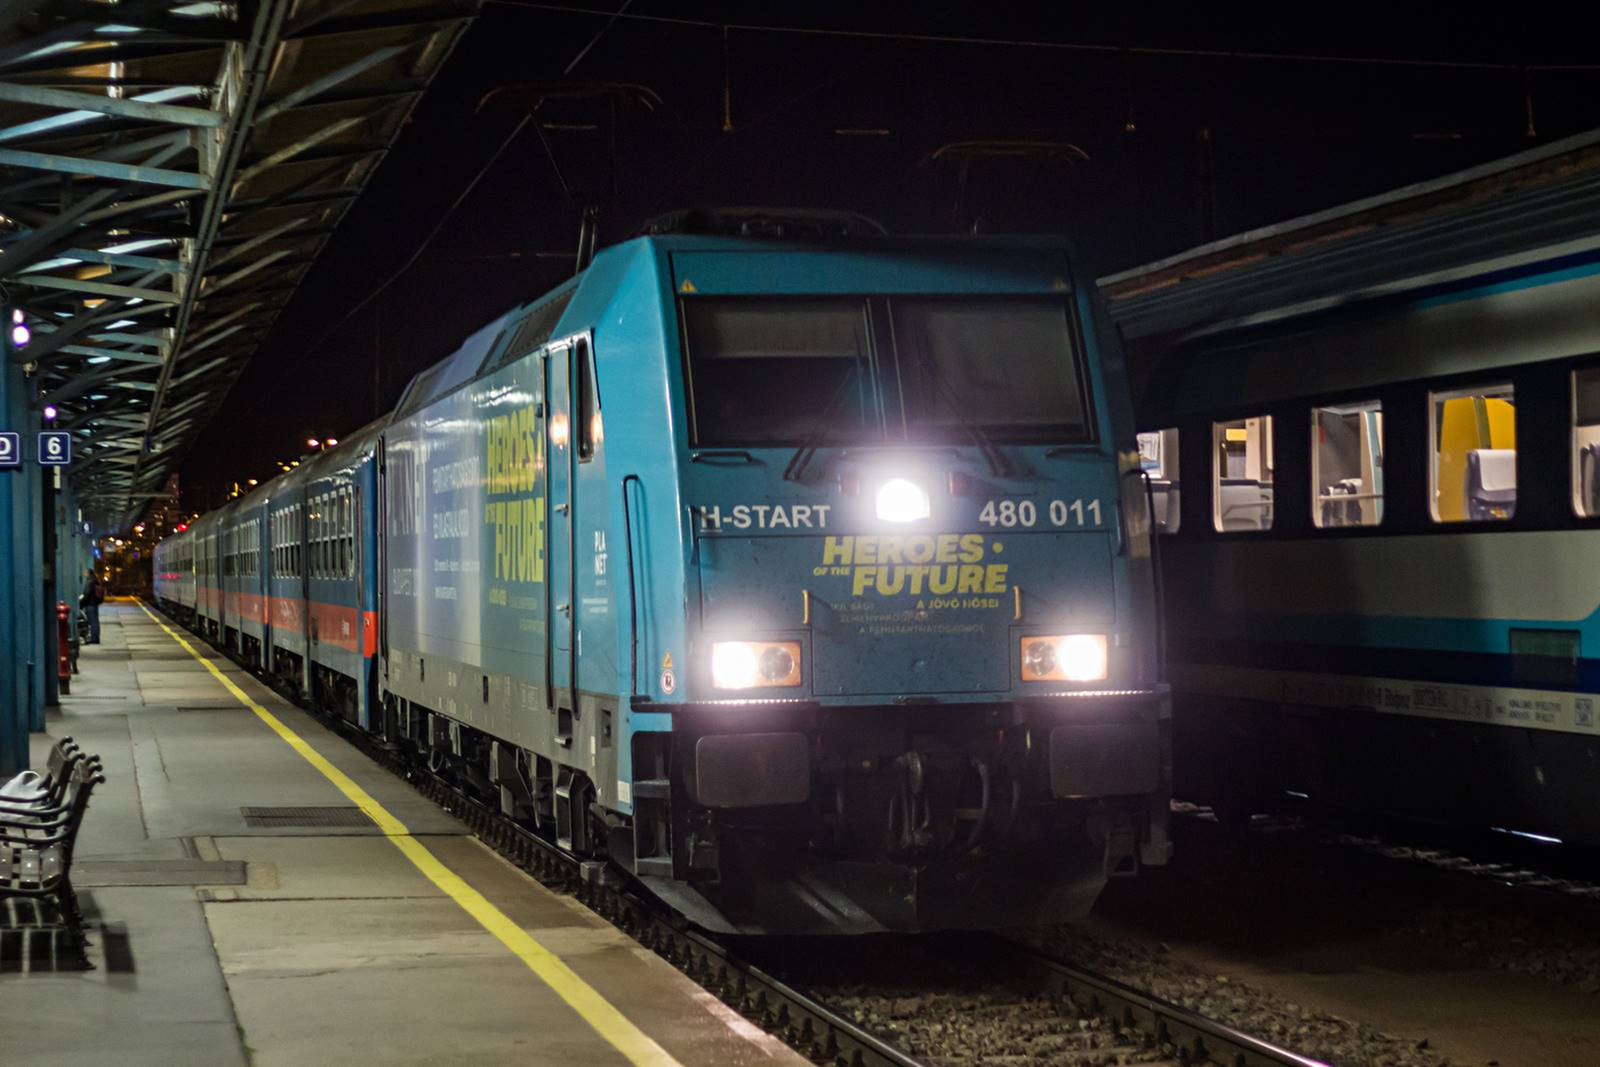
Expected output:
{"points": [[558, 434]]}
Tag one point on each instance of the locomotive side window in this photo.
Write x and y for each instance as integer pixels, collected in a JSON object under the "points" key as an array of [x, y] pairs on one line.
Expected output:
{"points": [[1007, 365], [587, 403], [1474, 443], [1241, 480], [1158, 458], [768, 371], [1586, 442], [1347, 464]]}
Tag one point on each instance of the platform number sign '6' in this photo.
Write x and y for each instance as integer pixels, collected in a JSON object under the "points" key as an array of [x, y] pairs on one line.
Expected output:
{"points": [[55, 448], [10, 450]]}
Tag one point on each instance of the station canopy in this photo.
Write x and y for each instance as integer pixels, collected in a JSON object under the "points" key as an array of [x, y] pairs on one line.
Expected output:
{"points": [[169, 170], [1531, 206]]}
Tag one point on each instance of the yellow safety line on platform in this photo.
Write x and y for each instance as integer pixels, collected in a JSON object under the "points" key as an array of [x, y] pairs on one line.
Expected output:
{"points": [[598, 1012]]}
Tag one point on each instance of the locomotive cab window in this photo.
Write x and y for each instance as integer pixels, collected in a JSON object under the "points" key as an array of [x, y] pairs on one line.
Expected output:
{"points": [[1007, 365], [776, 371], [1347, 464], [1474, 443], [1241, 481], [587, 402], [1586, 442], [1158, 458]]}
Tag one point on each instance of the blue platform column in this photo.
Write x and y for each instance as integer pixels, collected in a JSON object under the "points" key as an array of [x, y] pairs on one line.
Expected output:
{"points": [[19, 579], [38, 666], [51, 576]]}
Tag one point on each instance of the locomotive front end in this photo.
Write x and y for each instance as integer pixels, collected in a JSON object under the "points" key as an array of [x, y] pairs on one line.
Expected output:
{"points": [[921, 685]]}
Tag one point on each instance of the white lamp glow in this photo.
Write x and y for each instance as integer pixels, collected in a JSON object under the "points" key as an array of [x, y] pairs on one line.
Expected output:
{"points": [[902, 500]]}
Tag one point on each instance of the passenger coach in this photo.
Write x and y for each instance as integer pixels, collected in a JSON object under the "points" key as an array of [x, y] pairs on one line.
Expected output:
{"points": [[1373, 437]]}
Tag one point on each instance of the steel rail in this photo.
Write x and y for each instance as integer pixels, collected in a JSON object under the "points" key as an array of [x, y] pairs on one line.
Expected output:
{"points": [[810, 1027]]}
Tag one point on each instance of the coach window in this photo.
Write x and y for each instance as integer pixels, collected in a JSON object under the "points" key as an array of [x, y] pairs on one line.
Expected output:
{"points": [[1347, 464], [1158, 458], [1474, 440], [1241, 484], [1586, 442]]}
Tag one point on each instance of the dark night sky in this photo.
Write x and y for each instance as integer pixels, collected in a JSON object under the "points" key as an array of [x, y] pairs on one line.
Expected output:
{"points": [[1288, 136]]}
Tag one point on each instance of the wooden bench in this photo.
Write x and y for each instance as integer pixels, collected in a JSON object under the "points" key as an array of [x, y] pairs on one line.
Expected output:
{"points": [[39, 828]]}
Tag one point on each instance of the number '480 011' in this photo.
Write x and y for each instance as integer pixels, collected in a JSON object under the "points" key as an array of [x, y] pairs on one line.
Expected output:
{"points": [[1025, 513]]}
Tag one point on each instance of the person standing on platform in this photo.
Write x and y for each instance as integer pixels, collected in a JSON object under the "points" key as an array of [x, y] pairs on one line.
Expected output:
{"points": [[94, 594]]}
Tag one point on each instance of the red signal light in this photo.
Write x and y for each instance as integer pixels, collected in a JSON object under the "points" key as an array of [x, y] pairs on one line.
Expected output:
{"points": [[182, 526]]}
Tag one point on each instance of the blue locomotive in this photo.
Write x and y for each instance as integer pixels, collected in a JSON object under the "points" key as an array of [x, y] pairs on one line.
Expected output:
{"points": [[808, 582]]}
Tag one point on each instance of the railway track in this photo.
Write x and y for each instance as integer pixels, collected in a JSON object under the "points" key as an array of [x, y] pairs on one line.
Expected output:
{"points": [[1508, 863], [1070, 1015]]}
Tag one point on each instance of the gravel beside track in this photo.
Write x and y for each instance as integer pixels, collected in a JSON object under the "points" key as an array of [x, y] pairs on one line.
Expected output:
{"points": [[1318, 1035], [952, 1001], [1517, 908]]}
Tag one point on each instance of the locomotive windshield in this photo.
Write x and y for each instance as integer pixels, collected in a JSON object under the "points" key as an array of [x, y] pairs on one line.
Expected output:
{"points": [[763, 371], [1006, 365], [781, 371]]}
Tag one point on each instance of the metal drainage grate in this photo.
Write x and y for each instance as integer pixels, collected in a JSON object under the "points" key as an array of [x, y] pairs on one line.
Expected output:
{"points": [[274, 817]]}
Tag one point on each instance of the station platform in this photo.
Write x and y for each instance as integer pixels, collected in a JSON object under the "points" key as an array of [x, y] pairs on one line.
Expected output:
{"points": [[258, 891]]}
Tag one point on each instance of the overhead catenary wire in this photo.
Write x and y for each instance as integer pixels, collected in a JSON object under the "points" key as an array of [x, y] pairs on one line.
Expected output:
{"points": [[483, 171], [1063, 46]]}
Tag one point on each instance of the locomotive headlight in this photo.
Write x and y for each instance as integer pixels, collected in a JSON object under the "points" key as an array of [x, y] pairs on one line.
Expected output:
{"points": [[1064, 658], [755, 664], [902, 500]]}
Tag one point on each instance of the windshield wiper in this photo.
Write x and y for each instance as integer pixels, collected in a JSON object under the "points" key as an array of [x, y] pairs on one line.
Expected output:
{"points": [[997, 460], [808, 445]]}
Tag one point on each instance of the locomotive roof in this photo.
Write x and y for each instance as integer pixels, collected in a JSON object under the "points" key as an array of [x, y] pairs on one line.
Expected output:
{"points": [[524, 328], [1524, 208]]}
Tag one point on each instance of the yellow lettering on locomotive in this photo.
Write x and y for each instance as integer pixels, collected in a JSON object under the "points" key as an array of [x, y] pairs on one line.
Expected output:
{"points": [[511, 459], [916, 564]]}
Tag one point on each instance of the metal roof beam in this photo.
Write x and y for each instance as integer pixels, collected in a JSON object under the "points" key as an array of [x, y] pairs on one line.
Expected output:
{"points": [[232, 316], [341, 151], [441, 15], [79, 285], [309, 196], [116, 153], [372, 91], [37, 244], [85, 107], [144, 204], [204, 367], [244, 272], [297, 235], [116, 259], [126, 356], [209, 341], [326, 82], [259, 239], [45, 343], [123, 49], [155, 15], [81, 384], [122, 172], [283, 155]]}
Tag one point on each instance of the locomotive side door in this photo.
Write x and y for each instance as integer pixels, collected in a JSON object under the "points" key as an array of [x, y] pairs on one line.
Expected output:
{"points": [[558, 575]]}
